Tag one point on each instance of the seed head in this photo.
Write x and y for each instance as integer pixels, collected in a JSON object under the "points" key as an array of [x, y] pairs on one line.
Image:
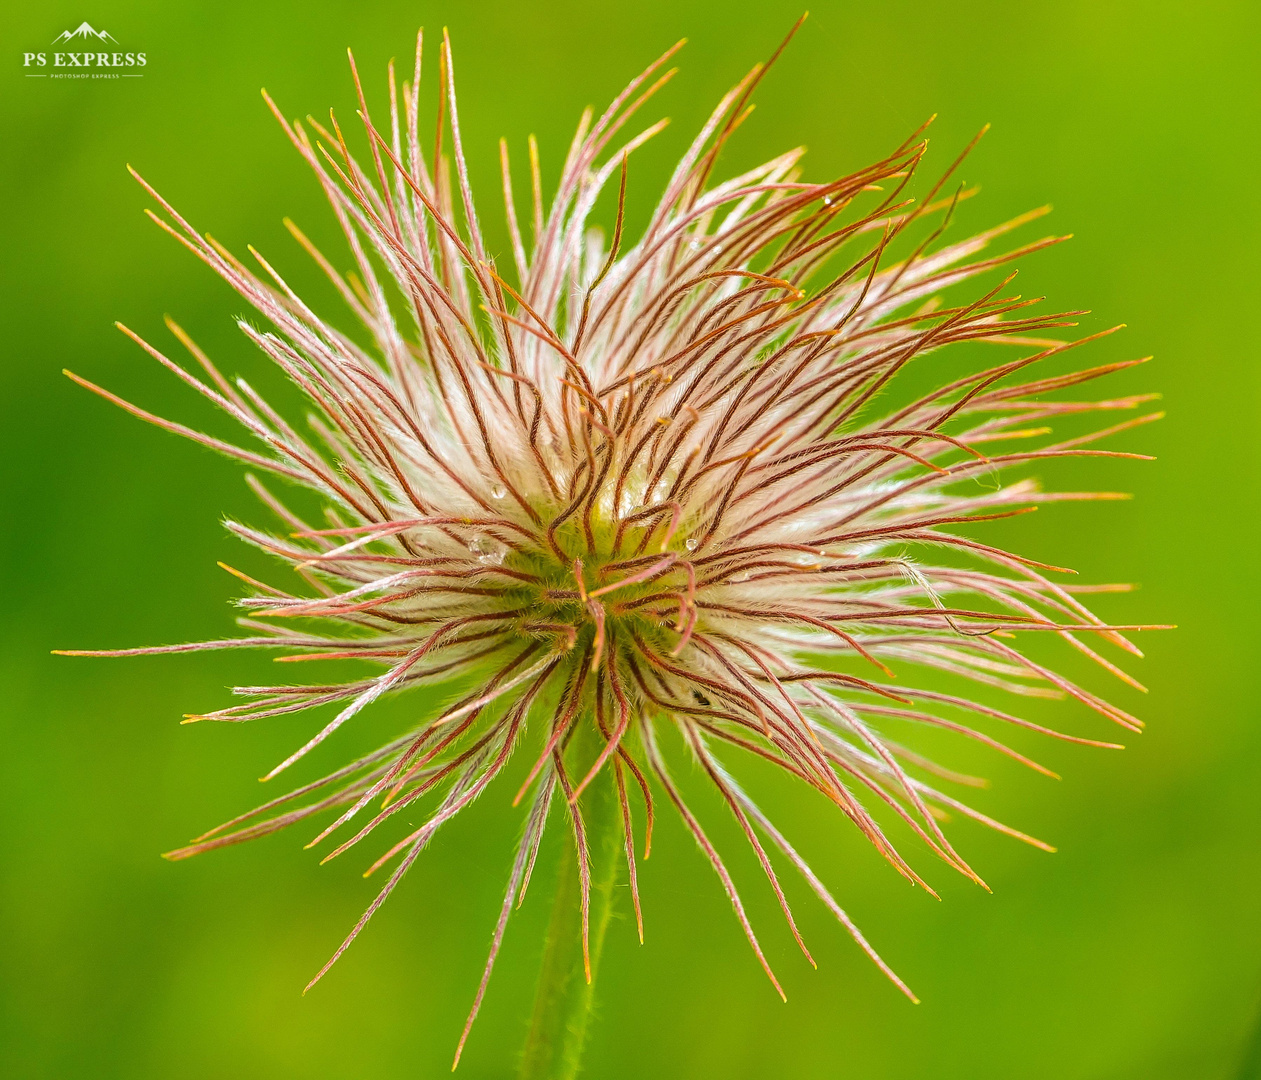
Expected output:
{"points": [[672, 482]]}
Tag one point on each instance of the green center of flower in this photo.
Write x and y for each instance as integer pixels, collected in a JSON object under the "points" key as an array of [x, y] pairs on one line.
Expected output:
{"points": [[601, 585]]}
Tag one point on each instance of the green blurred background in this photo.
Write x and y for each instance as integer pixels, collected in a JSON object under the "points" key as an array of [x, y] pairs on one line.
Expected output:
{"points": [[1133, 953]]}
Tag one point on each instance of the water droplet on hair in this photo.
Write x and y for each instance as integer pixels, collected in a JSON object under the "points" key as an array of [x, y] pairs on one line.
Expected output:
{"points": [[694, 245], [804, 558], [691, 543], [827, 200], [718, 249], [498, 491], [739, 576], [487, 551]]}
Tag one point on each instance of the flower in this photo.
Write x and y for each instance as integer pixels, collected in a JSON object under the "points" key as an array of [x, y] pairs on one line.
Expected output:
{"points": [[661, 484]]}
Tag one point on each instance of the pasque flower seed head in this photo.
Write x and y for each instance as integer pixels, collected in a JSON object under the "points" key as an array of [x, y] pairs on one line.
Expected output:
{"points": [[617, 486]]}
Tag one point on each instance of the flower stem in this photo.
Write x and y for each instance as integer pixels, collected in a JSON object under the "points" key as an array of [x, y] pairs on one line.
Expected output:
{"points": [[564, 999]]}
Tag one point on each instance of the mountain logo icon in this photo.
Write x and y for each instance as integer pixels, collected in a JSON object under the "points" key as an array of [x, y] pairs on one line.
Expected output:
{"points": [[85, 30]]}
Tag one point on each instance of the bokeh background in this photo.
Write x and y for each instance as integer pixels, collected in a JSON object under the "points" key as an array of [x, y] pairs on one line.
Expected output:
{"points": [[1135, 952]]}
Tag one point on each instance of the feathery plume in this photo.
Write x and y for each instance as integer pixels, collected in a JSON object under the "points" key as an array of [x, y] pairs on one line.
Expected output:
{"points": [[620, 487]]}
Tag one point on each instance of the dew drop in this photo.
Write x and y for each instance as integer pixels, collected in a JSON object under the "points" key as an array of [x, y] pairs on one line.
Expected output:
{"points": [[827, 200], [692, 543], [498, 491], [718, 249], [487, 551], [740, 576], [694, 245], [804, 558]]}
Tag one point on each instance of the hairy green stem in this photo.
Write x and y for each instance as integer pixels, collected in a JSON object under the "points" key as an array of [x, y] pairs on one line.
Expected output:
{"points": [[563, 1002]]}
